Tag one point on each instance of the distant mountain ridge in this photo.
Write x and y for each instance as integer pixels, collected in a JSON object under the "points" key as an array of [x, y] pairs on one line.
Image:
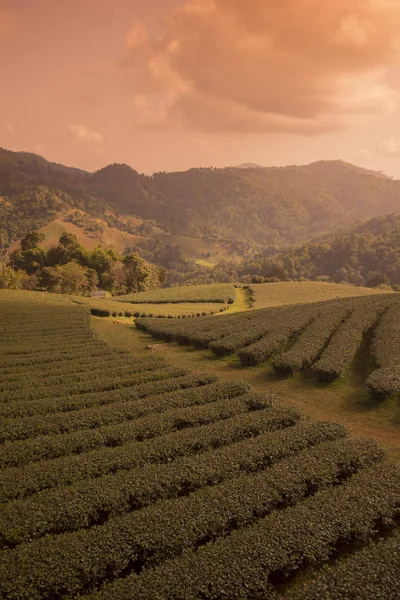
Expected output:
{"points": [[252, 206], [250, 166]]}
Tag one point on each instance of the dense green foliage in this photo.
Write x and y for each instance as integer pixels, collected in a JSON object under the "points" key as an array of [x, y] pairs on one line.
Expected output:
{"points": [[70, 268], [125, 478], [324, 337], [367, 256], [246, 206], [255, 205]]}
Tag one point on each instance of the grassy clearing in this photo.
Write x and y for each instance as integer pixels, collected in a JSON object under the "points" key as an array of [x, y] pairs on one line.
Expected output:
{"points": [[267, 295], [109, 237], [196, 249]]}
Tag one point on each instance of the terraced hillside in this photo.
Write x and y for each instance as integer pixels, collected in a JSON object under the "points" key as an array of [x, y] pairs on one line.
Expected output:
{"points": [[323, 337], [123, 477]]}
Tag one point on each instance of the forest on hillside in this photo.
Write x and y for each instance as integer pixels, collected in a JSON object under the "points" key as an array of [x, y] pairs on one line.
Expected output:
{"points": [[367, 256], [70, 268], [257, 206]]}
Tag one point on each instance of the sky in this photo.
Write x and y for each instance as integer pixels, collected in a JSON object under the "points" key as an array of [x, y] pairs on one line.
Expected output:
{"points": [[167, 85]]}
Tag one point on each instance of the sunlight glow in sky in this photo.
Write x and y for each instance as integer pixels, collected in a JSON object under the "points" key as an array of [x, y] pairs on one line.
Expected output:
{"points": [[173, 84]]}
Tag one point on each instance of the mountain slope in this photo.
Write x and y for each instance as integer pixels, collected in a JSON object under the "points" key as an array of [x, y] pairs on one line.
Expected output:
{"points": [[252, 206], [368, 255]]}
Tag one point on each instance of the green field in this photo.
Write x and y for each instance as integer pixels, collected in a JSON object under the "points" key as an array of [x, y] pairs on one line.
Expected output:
{"points": [[267, 295], [127, 477], [156, 309], [118, 309], [219, 292]]}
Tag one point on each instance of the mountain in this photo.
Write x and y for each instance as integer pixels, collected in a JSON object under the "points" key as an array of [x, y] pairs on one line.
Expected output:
{"points": [[247, 207], [250, 166]]}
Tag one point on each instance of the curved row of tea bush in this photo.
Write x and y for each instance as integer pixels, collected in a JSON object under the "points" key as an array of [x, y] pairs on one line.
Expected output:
{"points": [[165, 408], [81, 373], [324, 336], [372, 572], [72, 395], [346, 341], [152, 535], [95, 464], [310, 343], [247, 563], [63, 369], [51, 358], [385, 381], [105, 408], [106, 312], [108, 380]]}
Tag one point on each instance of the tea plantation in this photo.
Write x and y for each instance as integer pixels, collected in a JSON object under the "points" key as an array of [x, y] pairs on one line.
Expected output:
{"points": [[125, 478], [322, 337]]}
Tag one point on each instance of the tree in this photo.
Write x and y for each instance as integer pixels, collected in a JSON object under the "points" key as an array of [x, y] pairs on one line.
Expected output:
{"points": [[11, 280], [376, 278], [30, 260], [70, 278], [32, 240], [140, 275], [102, 259], [114, 281], [68, 249]]}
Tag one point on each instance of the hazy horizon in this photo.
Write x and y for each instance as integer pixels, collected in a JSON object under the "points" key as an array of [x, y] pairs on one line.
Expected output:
{"points": [[199, 83], [243, 165]]}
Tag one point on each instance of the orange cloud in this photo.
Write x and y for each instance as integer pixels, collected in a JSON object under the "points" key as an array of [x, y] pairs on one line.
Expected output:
{"points": [[84, 134], [301, 66], [137, 35]]}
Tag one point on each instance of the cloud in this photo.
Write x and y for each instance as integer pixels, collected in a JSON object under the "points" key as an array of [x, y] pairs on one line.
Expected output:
{"points": [[301, 66], [389, 146], [10, 128], [83, 134], [137, 35]]}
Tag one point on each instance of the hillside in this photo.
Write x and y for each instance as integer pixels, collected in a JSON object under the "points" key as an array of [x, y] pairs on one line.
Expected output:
{"points": [[245, 208], [367, 255], [262, 205]]}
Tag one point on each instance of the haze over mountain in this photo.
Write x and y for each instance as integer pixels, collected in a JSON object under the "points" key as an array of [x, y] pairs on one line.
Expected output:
{"points": [[253, 206]]}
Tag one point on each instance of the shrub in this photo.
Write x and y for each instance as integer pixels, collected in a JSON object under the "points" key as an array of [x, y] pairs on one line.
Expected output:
{"points": [[100, 312]]}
